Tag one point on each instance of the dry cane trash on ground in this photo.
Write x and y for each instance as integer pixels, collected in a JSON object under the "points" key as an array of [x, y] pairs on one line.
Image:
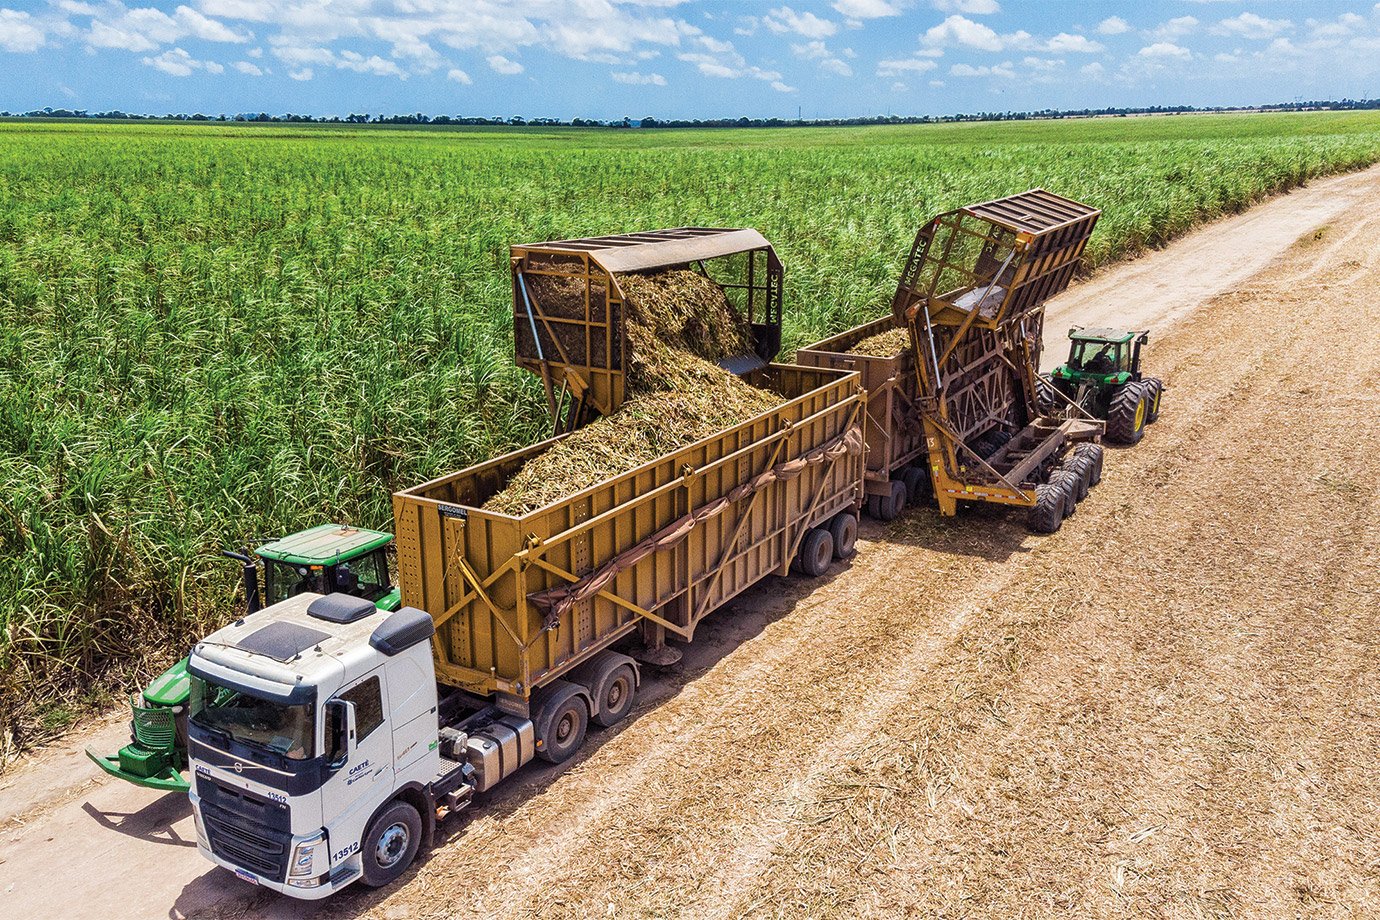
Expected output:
{"points": [[678, 324]]}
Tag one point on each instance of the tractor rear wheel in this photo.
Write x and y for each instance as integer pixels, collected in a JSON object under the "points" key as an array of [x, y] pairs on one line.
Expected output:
{"points": [[1047, 514], [1126, 417], [1154, 386], [1094, 453], [1044, 394]]}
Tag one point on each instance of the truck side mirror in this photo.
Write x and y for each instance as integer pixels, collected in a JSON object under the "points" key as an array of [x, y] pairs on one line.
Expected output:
{"points": [[340, 732]]}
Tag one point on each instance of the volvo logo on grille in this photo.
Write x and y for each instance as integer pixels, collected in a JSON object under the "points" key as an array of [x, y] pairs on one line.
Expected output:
{"points": [[239, 767]]}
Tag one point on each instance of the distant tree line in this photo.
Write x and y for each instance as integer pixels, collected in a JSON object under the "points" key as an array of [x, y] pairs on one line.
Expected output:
{"points": [[654, 122]]}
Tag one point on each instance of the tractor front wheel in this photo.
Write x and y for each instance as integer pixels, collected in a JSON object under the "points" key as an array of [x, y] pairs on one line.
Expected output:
{"points": [[1126, 417]]}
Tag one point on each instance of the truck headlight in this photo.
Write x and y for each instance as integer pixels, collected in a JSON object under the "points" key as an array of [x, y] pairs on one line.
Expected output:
{"points": [[304, 856]]}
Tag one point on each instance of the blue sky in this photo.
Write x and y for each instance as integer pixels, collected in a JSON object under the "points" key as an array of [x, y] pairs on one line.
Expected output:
{"points": [[678, 58]]}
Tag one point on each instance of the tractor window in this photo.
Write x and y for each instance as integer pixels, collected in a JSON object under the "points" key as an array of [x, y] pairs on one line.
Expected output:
{"points": [[283, 580], [365, 577], [1095, 357]]}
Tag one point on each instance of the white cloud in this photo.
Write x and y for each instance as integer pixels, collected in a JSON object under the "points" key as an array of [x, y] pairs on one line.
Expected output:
{"points": [[1342, 26], [252, 70], [897, 67], [958, 30], [1094, 70], [828, 61], [1165, 51], [459, 76], [207, 29], [782, 87], [252, 10], [1004, 70], [20, 33], [1249, 25], [1064, 43], [353, 60], [145, 28], [1113, 25], [836, 66], [179, 63], [784, 19], [503, 65], [866, 9], [639, 79], [304, 74], [293, 54], [1177, 27], [973, 7], [725, 62]]}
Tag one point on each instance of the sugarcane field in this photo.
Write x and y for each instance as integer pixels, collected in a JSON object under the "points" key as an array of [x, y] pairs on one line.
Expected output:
{"points": [[798, 515]]}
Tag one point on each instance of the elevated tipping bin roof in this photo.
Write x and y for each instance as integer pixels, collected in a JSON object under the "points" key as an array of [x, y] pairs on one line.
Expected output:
{"points": [[1035, 212], [633, 252]]}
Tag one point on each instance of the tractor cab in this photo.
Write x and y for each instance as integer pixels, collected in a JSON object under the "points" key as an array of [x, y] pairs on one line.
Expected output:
{"points": [[1101, 356], [1103, 378], [326, 559]]}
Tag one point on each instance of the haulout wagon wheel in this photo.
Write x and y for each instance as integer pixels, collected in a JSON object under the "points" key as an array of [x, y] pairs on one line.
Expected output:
{"points": [[1080, 474], [888, 507], [1047, 514], [1126, 417], [1068, 481], [917, 482], [1094, 453]]}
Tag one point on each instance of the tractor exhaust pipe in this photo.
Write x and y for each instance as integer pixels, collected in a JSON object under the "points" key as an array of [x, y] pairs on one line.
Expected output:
{"points": [[250, 572]]}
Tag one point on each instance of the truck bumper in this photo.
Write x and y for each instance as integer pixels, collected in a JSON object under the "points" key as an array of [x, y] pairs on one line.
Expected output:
{"points": [[327, 887], [169, 780]]}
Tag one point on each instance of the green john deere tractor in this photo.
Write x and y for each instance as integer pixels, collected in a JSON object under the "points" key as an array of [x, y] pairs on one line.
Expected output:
{"points": [[1103, 377], [326, 559]]}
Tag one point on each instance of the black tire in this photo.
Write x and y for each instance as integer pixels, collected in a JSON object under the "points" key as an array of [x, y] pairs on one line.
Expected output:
{"points": [[816, 552], [1094, 453], [890, 506], [917, 480], [390, 844], [844, 529], [1044, 394], [874, 507], [613, 687], [1079, 471], [1047, 514], [1154, 387], [1126, 417], [1068, 482], [561, 721]]}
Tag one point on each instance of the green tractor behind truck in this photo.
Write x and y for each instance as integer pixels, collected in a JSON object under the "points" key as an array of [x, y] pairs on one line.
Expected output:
{"points": [[1103, 377], [327, 559]]}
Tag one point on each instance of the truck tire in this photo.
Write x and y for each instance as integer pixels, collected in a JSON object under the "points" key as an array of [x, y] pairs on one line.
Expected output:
{"points": [[918, 488], [561, 721], [1047, 514], [390, 844], [890, 506], [1094, 453], [816, 552], [844, 529], [1154, 386], [614, 694], [1126, 417]]}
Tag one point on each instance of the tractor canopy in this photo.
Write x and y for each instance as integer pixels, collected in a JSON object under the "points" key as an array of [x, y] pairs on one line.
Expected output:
{"points": [[324, 545], [1100, 336]]}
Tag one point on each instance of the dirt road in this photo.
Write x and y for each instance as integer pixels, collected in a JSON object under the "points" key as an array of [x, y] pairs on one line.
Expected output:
{"points": [[1167, 709]]}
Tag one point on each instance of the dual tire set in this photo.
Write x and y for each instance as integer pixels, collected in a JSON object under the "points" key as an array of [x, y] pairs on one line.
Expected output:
{"points": [[835, 539], [1079, 471]]}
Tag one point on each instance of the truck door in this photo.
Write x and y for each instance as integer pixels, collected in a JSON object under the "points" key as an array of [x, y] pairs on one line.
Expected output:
{"points": [[364, 779]]}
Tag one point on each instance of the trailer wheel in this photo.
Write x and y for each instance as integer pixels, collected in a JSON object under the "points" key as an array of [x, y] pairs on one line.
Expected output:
{"points": [[890, 505], [816, 552], [1126, 417], [614, 691], [390, 844], [1080, 475], [1047, 514], [1094, 453], [844, 529], [1154, 386], [561, 722]]}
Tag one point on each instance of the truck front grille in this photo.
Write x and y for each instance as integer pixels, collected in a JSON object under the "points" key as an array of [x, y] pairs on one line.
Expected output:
{"points": [[235, 835]]}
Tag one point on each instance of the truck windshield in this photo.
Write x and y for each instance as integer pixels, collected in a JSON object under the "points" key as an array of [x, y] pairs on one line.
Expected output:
{"points": [[286, 730]]}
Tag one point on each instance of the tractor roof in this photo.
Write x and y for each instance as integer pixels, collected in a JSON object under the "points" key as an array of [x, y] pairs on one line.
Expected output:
{"points": [[631, 252], [324, 545], [1111, 336]]}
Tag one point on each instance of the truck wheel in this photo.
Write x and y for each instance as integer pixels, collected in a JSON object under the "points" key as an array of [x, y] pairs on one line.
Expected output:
{"points": [[1154, 386], [1126, 417], [390, 844], [561, 722], [1047, 514], [1094, 453], [918, 489], [614, 691], [890, 506], [816, 552], [844, 529]]}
